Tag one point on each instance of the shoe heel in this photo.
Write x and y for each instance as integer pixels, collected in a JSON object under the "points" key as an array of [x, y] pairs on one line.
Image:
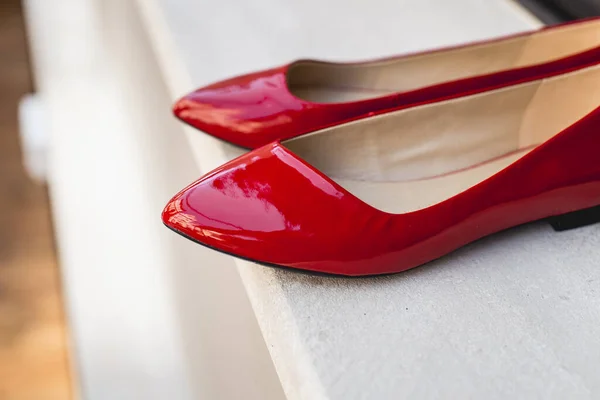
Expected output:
{"points": [[575, 219]]}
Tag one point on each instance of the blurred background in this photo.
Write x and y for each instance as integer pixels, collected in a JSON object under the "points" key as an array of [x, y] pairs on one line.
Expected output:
{"points": [[34, 358], [33, 343]]}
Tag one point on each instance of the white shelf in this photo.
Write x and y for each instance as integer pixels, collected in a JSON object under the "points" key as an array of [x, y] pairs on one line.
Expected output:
{"points": [[489, 321]]}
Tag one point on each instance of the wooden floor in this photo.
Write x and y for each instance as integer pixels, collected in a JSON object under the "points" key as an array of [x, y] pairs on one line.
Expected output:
{"points": [[33, 355]]}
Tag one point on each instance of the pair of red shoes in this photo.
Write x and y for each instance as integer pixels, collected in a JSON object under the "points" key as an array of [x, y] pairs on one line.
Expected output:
{"points": [[378, 167]]}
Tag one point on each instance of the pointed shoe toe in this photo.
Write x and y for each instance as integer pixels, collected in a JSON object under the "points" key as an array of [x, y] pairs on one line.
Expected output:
{"points": [[247, 111], [247, 208]]}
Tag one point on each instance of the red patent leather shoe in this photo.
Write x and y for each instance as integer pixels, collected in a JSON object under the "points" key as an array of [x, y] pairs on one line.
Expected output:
{"points": [[389, 193], [253, 110]]}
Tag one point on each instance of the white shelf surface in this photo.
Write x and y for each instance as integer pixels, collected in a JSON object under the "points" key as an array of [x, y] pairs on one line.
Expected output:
{"points": [[511, 316]]}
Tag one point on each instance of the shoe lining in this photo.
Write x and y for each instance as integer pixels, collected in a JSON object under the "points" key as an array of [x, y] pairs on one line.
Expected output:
{"points": [[322, 82], [414, 158]]}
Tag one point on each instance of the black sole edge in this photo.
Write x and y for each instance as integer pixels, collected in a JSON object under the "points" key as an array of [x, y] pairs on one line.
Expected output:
{"points": [[576, 219], [276, 266]]}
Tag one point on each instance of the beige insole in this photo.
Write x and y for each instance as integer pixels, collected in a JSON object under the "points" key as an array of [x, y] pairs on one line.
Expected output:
{"points": [[402, 197], [330, 83], [331, 94], [411, 159]]}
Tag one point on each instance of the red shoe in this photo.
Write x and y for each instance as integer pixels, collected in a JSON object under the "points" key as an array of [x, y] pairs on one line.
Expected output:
{"points": [[305, 96], [392, 192]]}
